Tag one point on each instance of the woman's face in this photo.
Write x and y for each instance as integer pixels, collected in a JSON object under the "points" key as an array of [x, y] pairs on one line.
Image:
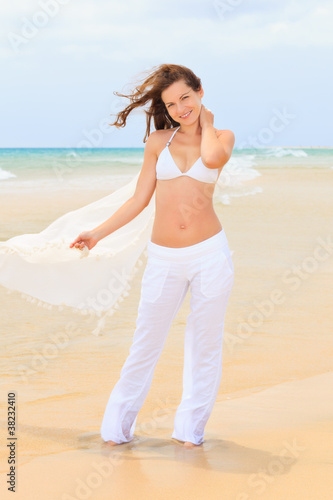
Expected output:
{"points": [[182, 102]]}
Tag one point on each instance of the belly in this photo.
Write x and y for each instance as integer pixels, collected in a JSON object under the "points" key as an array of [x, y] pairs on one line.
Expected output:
{"points": [[184, 212]]}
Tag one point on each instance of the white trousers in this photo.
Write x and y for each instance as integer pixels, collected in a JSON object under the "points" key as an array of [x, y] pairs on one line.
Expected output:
{"points": [[207, 269]]}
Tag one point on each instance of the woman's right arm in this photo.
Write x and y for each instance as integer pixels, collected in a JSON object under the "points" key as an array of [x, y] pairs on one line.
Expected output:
{"points": [[144, 190]]}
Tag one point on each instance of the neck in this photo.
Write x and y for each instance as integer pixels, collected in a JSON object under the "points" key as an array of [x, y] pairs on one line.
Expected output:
{"points": [[193, 129]]}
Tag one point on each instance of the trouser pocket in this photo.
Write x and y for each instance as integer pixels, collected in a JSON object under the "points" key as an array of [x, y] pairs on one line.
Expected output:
{"points": [[217, 273], [154, 278]]}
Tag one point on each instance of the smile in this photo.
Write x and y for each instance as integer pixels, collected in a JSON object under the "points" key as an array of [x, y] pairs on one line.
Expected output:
{"points": [[186, 115]]}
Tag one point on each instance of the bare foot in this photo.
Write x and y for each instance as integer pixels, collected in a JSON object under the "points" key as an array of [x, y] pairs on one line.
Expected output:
{"points": [[112, 443], [188, 444]]}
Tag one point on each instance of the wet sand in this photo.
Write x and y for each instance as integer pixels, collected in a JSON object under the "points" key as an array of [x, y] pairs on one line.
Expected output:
{"points": [[270, 433]]}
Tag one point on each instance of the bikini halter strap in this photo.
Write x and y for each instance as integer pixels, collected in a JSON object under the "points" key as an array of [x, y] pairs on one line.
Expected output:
{"points": [[169, 141]]}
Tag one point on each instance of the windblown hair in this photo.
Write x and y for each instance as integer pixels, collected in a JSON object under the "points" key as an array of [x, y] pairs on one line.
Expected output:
{"points": [[150, 90]]}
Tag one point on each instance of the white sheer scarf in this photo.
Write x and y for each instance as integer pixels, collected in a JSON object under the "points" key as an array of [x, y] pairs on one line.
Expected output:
{"points": [[46, 271]]}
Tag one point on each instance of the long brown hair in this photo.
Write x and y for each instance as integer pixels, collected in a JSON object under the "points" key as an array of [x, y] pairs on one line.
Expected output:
{"points": [[150, 89]]}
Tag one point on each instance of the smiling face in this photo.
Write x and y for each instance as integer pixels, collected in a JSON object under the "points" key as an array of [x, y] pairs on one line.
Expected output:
{"points": [[182, 102]]}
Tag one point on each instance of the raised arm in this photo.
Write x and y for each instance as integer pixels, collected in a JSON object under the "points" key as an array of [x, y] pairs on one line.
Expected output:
{"points": [[144, 190], [216, 145]]}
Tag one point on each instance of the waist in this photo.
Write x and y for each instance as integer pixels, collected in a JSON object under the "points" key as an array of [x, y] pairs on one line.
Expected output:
{"points": [[215, 242]]}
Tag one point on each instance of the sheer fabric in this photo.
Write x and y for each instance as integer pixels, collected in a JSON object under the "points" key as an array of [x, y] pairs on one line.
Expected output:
{"points": [[49, 273]]}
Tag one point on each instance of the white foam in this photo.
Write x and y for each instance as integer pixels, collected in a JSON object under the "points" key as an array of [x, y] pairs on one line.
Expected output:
{"points": [[237, 171], [238, 178], [67, 182], [281, 152], [132, 161], [4, 174]]}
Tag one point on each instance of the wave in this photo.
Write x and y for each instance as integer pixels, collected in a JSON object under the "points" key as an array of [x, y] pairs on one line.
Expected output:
{"points": [[237, 171], [224, 198], [234, 178], [4, 174], [281, 152], [134, 161], [111, 182], [238, 178]]}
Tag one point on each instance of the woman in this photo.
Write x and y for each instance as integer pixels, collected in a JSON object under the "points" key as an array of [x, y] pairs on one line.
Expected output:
{"points": [[187, 248]]}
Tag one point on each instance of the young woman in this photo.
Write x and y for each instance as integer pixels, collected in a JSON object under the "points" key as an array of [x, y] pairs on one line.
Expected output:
{"points": [[188, 248]]}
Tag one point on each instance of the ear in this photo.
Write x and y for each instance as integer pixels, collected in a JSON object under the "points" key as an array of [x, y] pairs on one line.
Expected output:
{"points": [[201, 92]]}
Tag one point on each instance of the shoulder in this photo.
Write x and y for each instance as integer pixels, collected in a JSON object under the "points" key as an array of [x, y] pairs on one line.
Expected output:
{"points": [[157, 140], [160, 135]]}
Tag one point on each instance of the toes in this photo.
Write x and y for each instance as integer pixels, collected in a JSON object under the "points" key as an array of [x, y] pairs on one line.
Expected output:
{"points": [[188, 444]]}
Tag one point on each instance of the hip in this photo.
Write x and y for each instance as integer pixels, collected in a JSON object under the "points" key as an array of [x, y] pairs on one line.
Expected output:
{"points": [[181, 234], [206, 265], [216, 243]]}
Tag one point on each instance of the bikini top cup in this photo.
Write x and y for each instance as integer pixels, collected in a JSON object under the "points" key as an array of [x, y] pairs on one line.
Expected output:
{"points": [[166, 167]]}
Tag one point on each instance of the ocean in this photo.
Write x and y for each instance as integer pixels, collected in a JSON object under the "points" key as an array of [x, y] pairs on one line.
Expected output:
{"points": [[110, 168]]}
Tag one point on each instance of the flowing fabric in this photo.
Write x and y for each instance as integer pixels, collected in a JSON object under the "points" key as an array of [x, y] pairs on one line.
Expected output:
{"points": [[49, 273], [46, 271]]}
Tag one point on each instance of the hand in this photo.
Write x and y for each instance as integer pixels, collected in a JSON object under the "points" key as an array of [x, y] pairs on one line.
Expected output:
{"points": [[206, 116], [87, 238]]}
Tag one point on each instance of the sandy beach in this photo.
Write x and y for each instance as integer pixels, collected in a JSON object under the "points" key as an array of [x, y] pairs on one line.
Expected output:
{"points": [[270, 433]]}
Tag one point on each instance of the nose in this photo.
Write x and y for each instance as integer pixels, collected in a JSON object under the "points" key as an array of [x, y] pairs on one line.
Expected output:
{"points": [[180, 109]]}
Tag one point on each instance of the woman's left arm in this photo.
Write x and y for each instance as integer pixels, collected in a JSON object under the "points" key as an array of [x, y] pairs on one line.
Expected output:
{"points": [[216, 146]]}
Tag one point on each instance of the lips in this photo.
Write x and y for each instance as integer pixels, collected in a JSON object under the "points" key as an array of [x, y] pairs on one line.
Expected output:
{"points": [[186, 115]]}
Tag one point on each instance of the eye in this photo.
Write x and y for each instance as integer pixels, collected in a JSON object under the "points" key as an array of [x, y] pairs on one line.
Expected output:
{"points": [[170, 105], [185, 97]]}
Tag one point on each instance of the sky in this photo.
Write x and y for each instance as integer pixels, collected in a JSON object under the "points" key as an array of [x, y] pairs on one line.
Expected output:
{"points": [[265, 66]]}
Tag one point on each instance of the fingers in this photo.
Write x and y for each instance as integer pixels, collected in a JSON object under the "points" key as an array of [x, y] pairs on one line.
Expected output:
{"points": [[80, 245], [74, 242], [77, 243], [203, 107]]}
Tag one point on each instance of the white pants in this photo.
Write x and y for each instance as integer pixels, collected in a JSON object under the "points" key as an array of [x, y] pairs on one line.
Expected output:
{"points": [[207, 269]]}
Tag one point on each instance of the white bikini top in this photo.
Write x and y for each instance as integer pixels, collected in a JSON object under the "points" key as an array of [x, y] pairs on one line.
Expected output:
{"points": [[166, 167]]}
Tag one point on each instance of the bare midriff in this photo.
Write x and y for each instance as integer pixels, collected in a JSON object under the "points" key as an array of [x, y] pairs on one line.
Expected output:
{"points": [[184, 212]]}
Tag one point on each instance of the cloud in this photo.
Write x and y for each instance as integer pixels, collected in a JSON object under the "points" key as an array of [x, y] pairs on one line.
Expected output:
{"points": [[258, 54], [114, 30]]}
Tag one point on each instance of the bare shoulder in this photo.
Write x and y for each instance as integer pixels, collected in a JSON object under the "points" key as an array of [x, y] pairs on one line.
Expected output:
{"points": [[157, 140]]}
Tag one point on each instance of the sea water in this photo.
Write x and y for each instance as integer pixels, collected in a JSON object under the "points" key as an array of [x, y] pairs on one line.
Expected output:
{"points": [[110, 168]]}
